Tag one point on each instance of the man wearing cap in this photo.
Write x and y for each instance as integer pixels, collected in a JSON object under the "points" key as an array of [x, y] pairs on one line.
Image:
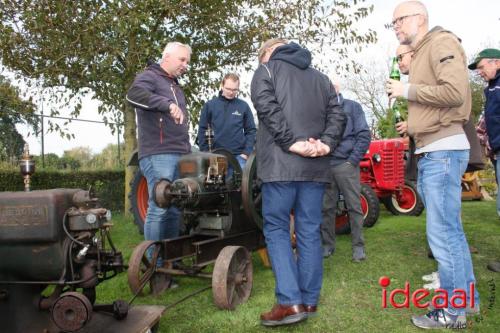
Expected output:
{"points": [[487, 64]]}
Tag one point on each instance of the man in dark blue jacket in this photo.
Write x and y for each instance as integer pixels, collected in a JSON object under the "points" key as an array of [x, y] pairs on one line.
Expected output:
{"points": [[487, 63], [345, 178], [231, 120], [300, 122], [162, 121]]}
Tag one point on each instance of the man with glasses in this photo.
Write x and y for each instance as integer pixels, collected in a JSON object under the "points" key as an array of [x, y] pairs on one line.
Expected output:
{"points": [[231, 120], [487, 65], [404, 54], [439, 104]]}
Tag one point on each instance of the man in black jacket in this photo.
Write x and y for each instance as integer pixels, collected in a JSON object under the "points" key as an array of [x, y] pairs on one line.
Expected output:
{"points": [[300, 122], [162, 121], [345, 178]]}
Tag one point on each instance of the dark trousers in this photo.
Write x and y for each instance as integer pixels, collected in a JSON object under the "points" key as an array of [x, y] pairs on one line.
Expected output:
{"points": [[345, 177]]}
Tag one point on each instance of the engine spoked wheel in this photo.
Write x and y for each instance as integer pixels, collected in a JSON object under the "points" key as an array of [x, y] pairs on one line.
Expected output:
{"points": [[251, 192], [232, 277], [142, 275]]}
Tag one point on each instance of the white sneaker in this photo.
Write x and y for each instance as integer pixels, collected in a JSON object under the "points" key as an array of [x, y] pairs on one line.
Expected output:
{"points": [[433, 285], [431, 277]]}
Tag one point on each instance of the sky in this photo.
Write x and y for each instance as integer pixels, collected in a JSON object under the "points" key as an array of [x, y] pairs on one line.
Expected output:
{"points": [[476, 22]]}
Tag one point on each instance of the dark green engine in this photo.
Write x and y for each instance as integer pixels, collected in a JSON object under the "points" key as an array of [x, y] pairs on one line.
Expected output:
{"points": [[58, 238], [209, 193]]}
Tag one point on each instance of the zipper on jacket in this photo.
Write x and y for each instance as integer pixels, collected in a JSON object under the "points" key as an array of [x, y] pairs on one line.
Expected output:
{"points": [[175, 96], [161, 130]]}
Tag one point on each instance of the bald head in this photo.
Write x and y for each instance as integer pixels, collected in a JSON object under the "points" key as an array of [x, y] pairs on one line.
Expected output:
{"points": [[410, 21], [414, 7]]}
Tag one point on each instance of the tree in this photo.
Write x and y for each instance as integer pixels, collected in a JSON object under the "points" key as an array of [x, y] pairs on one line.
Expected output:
{"points": [[108, 158], [478, 99], [13, 110], [81, 154], [51, 161], [98, 46], [367, 84]]}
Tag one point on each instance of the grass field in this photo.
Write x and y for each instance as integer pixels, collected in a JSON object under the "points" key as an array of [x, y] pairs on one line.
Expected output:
{"points": [[351, 296]]}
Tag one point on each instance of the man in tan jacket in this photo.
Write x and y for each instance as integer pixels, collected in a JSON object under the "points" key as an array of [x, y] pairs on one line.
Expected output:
{"points": [[439, 104]]}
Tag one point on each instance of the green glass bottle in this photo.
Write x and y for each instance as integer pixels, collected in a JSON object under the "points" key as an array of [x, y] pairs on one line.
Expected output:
{"points": [[394, 74], [396, 111], [396, 106]]}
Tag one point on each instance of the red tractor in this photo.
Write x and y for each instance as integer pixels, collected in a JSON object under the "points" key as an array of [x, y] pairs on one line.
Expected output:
{"points": [[382, 178]]}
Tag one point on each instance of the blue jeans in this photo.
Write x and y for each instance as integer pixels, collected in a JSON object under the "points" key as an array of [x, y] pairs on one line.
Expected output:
{"points": [[298, 278], [241, 162], [439, 185], [161, 223], [497, 173]]}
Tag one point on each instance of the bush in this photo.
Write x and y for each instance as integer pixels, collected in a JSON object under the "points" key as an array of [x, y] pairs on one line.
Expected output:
{"points": [[107, 185]]}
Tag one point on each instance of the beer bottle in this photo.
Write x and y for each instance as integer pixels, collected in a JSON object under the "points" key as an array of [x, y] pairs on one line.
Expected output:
{"points": [[397, 113], [396, 110], [394, 74]]}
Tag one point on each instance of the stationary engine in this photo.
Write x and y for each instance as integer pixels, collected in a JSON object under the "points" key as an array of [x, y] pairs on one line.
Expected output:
{"points": [[209, 193], [55, 248]]}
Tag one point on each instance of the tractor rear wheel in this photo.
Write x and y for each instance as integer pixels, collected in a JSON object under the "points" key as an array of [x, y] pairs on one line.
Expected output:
{"points": [[370, 207], [370, 200], [139, 197]]}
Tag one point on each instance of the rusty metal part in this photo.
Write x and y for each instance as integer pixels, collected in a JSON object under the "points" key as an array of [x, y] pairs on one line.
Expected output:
{"points": [[250, 192], [88, 274], [84, 199], [119, 309], [71, 312], [142, 269], [46, 302], [161, 191], [232, 277], [184, 272], [233, 163]]}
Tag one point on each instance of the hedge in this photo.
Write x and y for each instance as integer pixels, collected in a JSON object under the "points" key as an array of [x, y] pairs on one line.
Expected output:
{"points": [[107, 185]]}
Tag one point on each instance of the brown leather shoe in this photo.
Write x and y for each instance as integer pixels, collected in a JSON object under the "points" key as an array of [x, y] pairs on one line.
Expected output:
{"points": [[283, 315], [311, 310]]}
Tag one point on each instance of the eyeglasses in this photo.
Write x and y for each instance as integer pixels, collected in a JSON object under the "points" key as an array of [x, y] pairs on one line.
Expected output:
{"points": [[399, 20], [401, 55], [231, 90]]}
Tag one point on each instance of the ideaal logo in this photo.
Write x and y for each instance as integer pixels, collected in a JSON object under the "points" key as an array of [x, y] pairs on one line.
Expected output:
{"points": [[438, 301]]}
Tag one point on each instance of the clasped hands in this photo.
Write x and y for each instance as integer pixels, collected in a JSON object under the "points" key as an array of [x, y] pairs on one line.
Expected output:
{"points": [[310, 148]]}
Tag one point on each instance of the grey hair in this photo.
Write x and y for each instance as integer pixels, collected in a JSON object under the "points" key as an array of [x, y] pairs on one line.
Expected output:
{"points": [[172, 46]]}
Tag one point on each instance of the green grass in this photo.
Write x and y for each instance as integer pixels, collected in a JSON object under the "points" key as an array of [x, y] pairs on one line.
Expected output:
{"points": [[350, 297]]}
